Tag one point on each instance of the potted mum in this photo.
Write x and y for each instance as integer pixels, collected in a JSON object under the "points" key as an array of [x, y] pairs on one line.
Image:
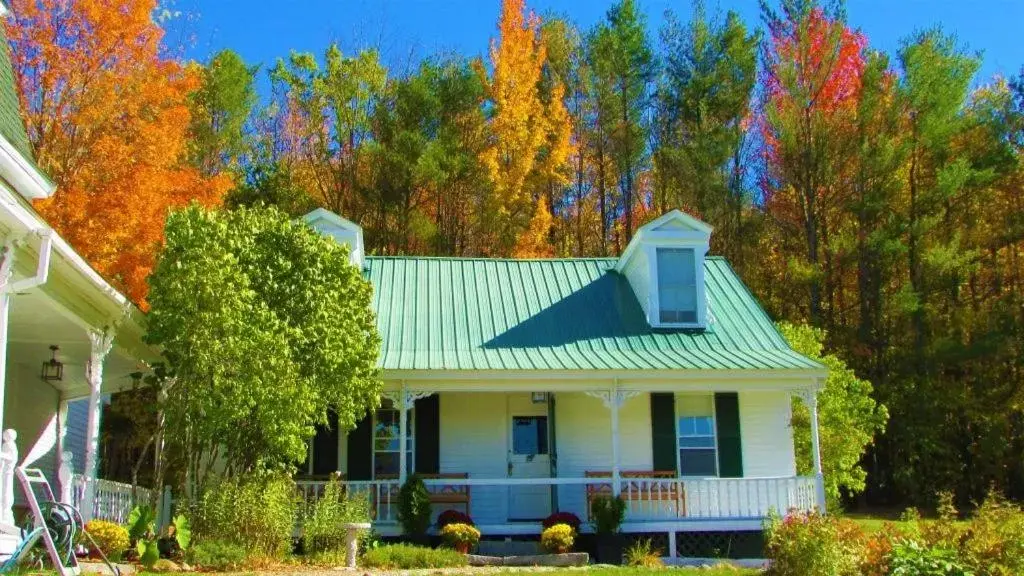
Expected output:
{"points": [[608, 514], [558, 539], [462, 537]]}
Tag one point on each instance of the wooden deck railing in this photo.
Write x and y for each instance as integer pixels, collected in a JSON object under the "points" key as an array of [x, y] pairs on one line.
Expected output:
{"points": [[650, 497]]}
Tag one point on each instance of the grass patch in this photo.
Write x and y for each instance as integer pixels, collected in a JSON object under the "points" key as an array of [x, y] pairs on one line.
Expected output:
{"points": [[405, 557]]}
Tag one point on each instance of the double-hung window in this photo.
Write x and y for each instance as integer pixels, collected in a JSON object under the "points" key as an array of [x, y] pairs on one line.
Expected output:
{"points": [[677, 286], [695, 435], [387, 440]]}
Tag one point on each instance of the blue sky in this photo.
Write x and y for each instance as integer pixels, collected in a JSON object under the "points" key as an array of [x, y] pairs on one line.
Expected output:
{"points": [[405, 30]]}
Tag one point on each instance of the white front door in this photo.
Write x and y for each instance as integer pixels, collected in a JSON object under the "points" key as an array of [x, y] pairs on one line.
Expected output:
{"points": [[528, 457]]}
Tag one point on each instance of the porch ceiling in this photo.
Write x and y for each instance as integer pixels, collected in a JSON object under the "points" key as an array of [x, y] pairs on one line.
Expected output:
{"points": [[36, 323]]}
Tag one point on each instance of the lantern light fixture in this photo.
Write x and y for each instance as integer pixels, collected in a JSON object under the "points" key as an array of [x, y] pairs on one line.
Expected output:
{"points": [[53, 369]]}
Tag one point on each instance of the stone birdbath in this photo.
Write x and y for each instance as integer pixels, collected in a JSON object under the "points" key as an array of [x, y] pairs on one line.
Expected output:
{"points": [[352, 530]]}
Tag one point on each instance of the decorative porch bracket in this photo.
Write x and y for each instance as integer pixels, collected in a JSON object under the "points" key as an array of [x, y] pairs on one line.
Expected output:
{"points": [[613, 399], [810, 399], [101, 342], [404, 399]]}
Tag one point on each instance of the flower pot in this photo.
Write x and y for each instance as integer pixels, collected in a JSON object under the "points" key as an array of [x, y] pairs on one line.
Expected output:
{"points": [[609, 548], [462, 547]]}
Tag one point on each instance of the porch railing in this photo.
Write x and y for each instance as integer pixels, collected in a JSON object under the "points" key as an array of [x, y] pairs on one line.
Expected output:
{"points": [[647, 499], [111, 501]]}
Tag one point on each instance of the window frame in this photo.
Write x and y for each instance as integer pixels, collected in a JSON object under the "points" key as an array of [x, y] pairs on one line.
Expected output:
{"points": [[714, 427], [654, 298], [410, 440]]}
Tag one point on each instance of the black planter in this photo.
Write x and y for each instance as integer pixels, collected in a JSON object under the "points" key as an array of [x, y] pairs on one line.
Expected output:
{"points": [[609, 548]]}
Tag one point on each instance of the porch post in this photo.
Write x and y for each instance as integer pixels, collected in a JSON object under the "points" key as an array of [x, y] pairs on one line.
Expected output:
{"points": [[614, 402], [6, 268], [101, 341], [64, 456], [403, 422], [812, 407]]}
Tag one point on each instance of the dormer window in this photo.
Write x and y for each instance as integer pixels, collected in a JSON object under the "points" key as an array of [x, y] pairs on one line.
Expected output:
{"points": [[664, 264], [677, 286]]}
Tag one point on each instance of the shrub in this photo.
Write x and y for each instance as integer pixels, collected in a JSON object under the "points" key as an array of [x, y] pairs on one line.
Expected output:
{"points": [[112, 539], [453, 517], [558, 538], [994, 543], [414, 506], [407, 557], [257, 512], [323, 524], [608, 514], [808, 543], [911, 558], [563, 518], [462, 537], [219, 555], [643, 554]]}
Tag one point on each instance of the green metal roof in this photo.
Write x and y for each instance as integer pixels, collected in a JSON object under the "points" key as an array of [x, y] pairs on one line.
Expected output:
{"points": [[11, 126], [558, 314]]}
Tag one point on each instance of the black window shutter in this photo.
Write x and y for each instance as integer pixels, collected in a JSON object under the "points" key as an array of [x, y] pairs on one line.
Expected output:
{"points": [[730, 450], [325, 446], [428, 435], [663, 431], [360, 446]]}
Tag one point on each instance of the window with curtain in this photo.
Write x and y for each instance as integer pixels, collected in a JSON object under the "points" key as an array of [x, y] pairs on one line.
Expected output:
{"points": [[677, 285], [387, 440], [695, 435]]}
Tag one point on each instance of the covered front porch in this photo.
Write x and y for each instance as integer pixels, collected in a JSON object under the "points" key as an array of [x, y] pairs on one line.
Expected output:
{"points": [[686, 453], [66, 339]]}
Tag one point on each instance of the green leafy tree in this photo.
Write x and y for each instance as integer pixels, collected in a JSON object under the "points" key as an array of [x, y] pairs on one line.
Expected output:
{"points": [[221, 107], [623, 63], [706, 88], [848, 418], [267, 327]]}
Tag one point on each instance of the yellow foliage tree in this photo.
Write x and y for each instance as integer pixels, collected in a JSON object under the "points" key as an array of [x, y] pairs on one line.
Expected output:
{"points": [[534, 241], [529, 138]]}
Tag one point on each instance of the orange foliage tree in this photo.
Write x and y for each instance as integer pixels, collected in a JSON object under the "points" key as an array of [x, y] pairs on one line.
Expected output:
{"points": [[108, 117]]}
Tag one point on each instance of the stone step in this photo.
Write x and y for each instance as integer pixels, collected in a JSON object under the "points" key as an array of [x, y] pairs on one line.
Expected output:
{"points": [[508, 548]]}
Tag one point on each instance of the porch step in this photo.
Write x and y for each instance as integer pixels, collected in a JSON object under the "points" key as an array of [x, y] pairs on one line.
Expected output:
{"points": [[508, 548]]}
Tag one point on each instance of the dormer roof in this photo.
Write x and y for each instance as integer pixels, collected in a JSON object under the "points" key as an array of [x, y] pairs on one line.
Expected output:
{"points": [[674, 225], [341, 229]]}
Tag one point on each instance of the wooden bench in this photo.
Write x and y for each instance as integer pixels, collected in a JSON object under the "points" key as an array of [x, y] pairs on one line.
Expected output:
{"points": [[635, 488], [452, 494]]}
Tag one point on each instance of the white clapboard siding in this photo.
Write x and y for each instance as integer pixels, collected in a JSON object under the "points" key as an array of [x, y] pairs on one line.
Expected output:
{"points": [[584, 441], [474, 428], [766, 434]]}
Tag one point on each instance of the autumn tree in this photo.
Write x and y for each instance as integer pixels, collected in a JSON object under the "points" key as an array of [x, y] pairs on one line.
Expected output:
{"points": [[325, 125], [813, 66], [529, 133], [108, 116]]}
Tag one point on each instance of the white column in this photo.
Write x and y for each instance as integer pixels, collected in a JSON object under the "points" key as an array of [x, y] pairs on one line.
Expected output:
{"points": [[6, 267], [64, 456], [614, 404], [101, 342], [811, 398], [403, 422]]}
